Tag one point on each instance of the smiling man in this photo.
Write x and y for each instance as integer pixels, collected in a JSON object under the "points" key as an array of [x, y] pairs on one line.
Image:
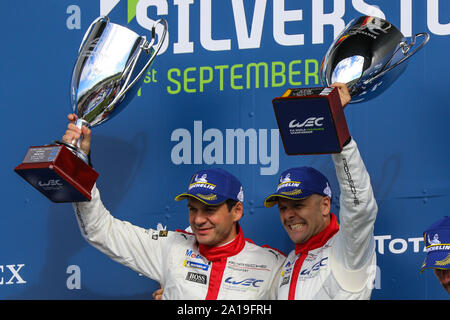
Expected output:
{"points": [[213, 217], [309, 215], [330, 260], [213, 262]]}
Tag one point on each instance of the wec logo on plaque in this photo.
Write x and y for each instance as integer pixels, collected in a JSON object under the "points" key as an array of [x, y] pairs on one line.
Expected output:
{"points": [[310, 122], [308, 126], [52, 183]]}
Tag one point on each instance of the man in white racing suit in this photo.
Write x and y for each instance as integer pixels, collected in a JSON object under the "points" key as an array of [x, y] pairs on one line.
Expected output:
{"points": [[331, 260], [213, 262]]}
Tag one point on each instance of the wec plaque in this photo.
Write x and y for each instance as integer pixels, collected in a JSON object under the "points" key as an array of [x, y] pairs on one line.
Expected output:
{"points": [[311, 121]]}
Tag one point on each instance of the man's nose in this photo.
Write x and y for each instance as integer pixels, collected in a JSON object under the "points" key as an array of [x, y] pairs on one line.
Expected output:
{"points": [[200, 217], [289, 213]]}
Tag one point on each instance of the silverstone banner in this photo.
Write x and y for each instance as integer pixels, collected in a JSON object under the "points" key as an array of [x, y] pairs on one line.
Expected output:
{"points": [[206, 101]]}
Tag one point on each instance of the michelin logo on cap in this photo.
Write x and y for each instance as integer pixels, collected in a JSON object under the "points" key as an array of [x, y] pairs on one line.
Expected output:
{"points": [[435, 244], [287, 182], [201, 182]]}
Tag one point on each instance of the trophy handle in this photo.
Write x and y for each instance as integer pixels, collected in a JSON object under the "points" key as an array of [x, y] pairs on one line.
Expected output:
{"points": [[88, 31], [147, 47], [405, 47]]}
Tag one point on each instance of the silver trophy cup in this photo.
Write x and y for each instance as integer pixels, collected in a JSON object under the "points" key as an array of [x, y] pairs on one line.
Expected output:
{"points": [[110, 64], [109, 68], [368, 56]]}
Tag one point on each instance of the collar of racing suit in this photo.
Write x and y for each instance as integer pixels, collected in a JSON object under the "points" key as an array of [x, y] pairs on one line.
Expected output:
{"points": [[319, 239], [230, 249], [302, 249]]}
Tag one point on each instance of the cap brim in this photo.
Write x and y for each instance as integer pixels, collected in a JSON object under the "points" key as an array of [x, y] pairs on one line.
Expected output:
{"points": [[272, 200], [439, 259], [206, 199]]}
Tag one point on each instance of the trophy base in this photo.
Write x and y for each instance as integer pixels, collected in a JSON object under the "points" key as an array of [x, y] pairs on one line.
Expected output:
{"points": [[57, 173], [311, 121]]}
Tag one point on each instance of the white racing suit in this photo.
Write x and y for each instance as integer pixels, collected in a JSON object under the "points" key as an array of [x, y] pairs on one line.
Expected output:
{"points": [[340, 261], [239, 270]]}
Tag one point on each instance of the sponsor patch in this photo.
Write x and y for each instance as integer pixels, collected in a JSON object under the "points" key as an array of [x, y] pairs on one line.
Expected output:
{"points": [[163, 233], [285, 281], [196, 265], [197, 277], [248, 282]]}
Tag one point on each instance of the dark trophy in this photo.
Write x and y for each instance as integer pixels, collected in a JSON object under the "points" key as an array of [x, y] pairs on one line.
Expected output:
{"points": [[109, 68], [368, 56]]}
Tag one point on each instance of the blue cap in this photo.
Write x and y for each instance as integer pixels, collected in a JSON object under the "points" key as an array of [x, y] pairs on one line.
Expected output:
{"points": [[437, 245], [299, 183], [213, 187]]}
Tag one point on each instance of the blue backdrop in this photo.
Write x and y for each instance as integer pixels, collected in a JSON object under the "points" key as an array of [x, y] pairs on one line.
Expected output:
{"points": [[201, 96]]}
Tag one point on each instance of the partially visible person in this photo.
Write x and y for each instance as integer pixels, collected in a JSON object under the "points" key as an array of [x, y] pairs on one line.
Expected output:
{"points": [[213, 262], [331, 260], [437, 247]]}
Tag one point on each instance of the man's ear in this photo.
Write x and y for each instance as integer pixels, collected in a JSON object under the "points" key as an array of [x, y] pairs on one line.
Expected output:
{"points": [[237, 211], [325, 205]]}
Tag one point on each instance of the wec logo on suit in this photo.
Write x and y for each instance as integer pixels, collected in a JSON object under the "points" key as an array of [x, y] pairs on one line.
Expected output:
{"points": [[246, 282]]}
